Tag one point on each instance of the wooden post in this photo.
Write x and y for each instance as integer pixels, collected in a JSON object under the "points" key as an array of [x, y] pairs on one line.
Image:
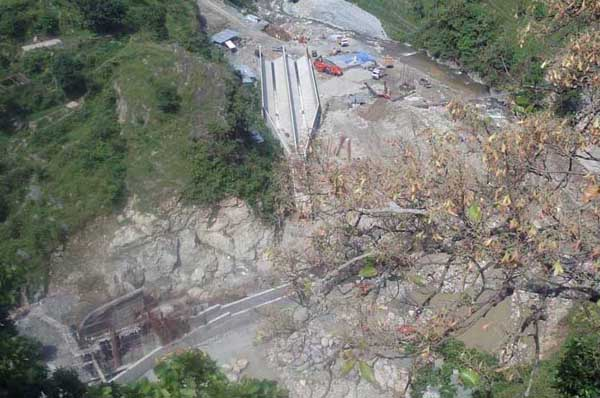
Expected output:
{"points": [[349, 149], [340, 145], [116, 353]]}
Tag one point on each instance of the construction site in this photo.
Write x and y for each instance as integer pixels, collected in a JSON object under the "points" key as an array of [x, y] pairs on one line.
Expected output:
{"points": [[290, 100], [325, 87], [324, 80]]}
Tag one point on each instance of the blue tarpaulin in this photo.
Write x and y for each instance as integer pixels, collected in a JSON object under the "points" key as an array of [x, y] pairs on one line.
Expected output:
{"points": [[350, 60]]}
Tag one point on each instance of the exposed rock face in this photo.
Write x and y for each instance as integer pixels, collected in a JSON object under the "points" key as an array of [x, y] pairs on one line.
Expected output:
{"points": [[234, 370], [390, 377], [310, 363], [177, 250], [342, 14]]}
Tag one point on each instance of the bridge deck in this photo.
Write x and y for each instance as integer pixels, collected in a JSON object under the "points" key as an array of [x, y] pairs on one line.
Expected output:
{"points": [[290, 100]]}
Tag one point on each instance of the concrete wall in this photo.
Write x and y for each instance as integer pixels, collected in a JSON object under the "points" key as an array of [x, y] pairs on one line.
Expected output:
{"points": [[116, 314], [219, 319]]}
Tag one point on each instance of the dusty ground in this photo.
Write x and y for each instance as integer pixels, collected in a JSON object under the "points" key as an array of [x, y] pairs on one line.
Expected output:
{"points": [[341, 15], [185, 251], [370, 127]]}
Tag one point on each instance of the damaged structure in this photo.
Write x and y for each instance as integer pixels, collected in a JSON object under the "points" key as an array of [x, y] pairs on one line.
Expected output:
{"points": [[227, 38], [290, 100]]}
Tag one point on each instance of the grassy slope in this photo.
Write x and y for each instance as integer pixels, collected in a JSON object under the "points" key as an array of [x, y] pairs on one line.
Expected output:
{"points": [[83, 163], [504, 42], [400, 20], [156, 161]]}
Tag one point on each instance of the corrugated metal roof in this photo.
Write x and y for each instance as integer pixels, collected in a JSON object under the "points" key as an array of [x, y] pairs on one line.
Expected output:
{"points": [[224, 36]]}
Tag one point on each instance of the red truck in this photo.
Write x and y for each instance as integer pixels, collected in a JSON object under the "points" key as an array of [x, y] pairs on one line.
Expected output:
{"points": [[324, 67]]}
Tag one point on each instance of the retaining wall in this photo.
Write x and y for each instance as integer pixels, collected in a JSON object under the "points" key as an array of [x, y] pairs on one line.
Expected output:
{"points": [[219, 319]]}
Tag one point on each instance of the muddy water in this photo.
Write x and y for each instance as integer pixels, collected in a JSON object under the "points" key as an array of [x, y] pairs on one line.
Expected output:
{"points": [[404, 53], [421, 61]]}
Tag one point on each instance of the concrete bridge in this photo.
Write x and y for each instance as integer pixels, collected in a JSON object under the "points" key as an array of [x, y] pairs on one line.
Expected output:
{"points": [[290, 100]]}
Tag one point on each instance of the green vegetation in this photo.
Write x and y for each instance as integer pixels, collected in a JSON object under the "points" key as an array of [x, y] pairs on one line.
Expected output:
{"points": [[505, 42], [230, 163], [103, 16], [155, 107], [168, 99], [578, 373], [192, 374], [475, 369], [573, 371], [22, 370], [578, 368], [397, 17], [130, 132]]}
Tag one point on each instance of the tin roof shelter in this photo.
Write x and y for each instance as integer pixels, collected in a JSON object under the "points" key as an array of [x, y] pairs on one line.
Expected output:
{"points": [[225, 36]]}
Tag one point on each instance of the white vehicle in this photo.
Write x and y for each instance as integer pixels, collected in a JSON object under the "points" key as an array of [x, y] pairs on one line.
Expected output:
{"points": [[377, 73], [344, 42]]}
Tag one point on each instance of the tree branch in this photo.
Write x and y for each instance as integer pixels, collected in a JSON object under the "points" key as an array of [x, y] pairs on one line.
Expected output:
{"points": [[393, 211]]}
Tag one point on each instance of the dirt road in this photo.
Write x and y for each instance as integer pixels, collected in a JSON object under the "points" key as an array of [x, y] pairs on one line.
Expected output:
{"points": [[220, 15]]}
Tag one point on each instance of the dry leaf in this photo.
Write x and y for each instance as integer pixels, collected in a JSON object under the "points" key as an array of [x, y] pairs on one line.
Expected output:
{"points": [[592, 192]]}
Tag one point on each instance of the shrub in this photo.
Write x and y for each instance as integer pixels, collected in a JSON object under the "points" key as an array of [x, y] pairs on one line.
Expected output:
{"points": [[35, 62], [168, 99], [22, 370], [64, 383], [105, 16], [568, 102], [247, 4], [229, 163], [68, 72], [198, 42], [579, 367], [14, 20], [8, 110], [154, 20], [47, 24]]}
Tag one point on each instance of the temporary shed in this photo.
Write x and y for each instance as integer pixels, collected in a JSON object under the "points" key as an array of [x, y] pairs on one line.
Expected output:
{"points": [[252, 18], [357, 99], [225, 36]]}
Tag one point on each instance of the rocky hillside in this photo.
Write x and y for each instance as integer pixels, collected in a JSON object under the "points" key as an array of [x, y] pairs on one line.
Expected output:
{"points": [[132, 101], [118, 119]]}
